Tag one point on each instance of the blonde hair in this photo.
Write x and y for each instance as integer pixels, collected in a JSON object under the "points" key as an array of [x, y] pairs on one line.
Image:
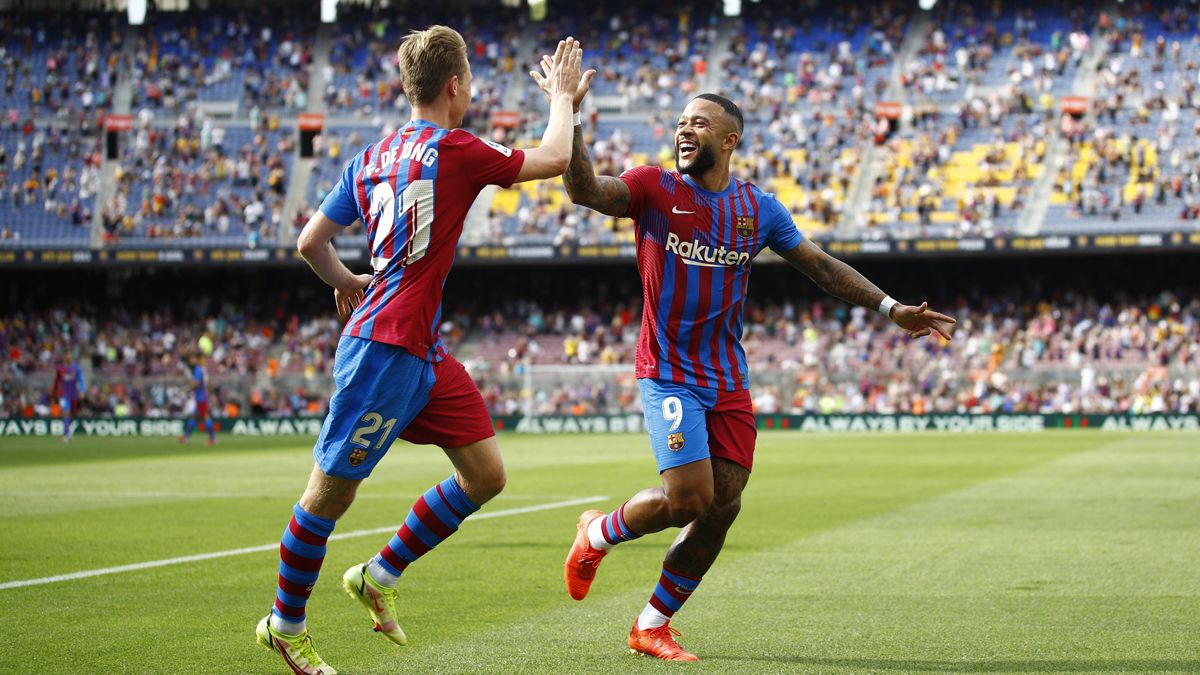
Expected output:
{"points": [[428, 58]]}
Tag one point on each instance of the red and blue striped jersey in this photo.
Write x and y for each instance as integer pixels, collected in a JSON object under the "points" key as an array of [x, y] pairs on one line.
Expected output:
{"points": [[68, 381], [412, 190], [199, 383], [694, 249]]}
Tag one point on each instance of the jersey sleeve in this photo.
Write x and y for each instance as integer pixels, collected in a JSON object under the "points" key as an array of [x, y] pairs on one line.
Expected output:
{"points": [[637, 180], [782, 233], [488, 163], [341, 205]]}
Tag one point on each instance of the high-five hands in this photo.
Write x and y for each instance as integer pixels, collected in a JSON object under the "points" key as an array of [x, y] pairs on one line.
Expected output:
{"points": [[571, 51]]}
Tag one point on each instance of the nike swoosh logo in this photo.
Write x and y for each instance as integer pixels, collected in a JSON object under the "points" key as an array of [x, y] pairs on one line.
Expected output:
{"points": [[675, 209]]}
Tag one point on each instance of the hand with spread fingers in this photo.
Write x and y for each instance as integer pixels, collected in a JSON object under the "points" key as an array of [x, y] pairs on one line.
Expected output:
{"points": [[920, 321], [548, 63]]}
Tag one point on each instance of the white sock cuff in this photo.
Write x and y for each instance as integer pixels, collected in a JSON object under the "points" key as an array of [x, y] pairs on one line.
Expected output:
{"points": [[651, 618], [381, 575], [596, 535], [287, 627]]}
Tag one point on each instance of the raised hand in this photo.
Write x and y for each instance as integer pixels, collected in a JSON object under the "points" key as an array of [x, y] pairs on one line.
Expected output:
{"points": [[920, 321], [570, 49]]}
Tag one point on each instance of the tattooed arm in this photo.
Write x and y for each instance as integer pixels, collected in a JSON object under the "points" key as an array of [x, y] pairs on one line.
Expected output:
{"points": [[605, 194], [843, 281]]}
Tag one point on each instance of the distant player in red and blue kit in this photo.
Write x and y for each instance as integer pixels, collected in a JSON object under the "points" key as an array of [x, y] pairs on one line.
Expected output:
{"points": [[201, 414], [68, 384], [697, 230], [393, 377]]}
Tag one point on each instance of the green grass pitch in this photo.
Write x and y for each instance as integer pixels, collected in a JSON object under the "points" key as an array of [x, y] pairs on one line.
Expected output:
{"points": [[1055, 552]]}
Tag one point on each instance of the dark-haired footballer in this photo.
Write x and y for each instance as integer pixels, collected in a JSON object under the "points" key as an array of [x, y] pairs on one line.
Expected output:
{"points": [[697, 231]]}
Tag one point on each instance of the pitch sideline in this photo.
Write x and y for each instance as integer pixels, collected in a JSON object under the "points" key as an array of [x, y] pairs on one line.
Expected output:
{"points": [[133, 567]]}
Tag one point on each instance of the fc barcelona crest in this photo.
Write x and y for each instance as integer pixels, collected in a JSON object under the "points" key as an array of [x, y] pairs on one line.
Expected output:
{"points": [[744, 226], [675, 441], [357, 456]]}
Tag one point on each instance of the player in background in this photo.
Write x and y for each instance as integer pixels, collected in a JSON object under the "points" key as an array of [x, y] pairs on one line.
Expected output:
{"points": [[68, 384], [201, 414], [697, 230], [393, 377]]}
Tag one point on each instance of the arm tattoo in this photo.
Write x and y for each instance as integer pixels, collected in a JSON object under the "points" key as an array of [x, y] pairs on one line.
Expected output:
{"points": [[834, 276], [605, 194]]}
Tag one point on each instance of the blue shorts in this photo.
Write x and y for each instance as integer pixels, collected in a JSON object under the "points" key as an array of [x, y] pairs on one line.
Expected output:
{"points": [[688, 423], [381, 393]]}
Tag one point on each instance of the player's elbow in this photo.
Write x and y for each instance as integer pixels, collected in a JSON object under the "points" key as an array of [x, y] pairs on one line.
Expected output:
{"points": [[561, 162], [552, 162], [573, 193], [307, 244], [578, 194]]}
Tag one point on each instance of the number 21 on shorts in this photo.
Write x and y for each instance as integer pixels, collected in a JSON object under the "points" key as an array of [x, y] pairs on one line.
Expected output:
{"points": [[373, 421]]}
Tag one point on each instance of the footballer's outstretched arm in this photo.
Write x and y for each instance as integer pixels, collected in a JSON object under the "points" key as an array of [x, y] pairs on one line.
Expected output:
{"points": [[843, 281], [560, 83], [605, 194]]}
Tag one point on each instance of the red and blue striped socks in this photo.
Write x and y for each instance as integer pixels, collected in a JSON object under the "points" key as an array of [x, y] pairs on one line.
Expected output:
{"points": [[605, 533], [435, 516], [672, 591], [301, 553]]}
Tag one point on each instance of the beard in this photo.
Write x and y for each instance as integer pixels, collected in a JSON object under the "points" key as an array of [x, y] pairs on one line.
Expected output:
{"points": [[704, 160]]}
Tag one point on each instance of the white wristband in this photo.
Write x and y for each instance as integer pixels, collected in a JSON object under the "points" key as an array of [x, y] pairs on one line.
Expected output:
{"points": [[885, 307], [577, 120]]}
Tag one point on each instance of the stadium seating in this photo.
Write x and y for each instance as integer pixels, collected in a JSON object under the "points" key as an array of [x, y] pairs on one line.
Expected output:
{"points": [[56, 64], [364, 79], [48, 182], [201, 183], [260, 61], [1071, 355], [1131, 159], [983, 86]]}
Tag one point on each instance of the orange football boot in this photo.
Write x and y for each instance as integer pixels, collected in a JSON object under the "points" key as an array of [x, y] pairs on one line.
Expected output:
{"points": [[659, 643], [580, 568]]}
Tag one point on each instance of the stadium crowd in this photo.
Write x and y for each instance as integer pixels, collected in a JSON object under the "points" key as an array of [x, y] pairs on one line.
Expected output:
{"points": [[49, 178], [1072, 354], [1137, 154], [979, 94], [257, 60], [363, 78], [198, 178]]}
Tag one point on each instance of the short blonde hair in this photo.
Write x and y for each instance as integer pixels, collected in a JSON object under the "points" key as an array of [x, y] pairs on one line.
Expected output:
{"points": [[428, 58]]}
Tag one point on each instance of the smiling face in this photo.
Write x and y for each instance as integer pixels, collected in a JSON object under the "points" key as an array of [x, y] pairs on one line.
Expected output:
{"points": [[704, 132]]}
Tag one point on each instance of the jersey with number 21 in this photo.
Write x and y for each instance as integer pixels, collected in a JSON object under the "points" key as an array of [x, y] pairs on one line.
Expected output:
{"points": [[412, 190]]}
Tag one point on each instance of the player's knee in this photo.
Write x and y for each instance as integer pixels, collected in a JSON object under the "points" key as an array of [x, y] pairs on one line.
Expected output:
{"points": [[495, 482], [686, 507], [329, 505], [483, 487], [723, 513]]}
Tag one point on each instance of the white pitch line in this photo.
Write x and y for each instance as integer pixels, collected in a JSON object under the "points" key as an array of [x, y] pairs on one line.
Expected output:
{"points": [[273, 546], [184, 496]]}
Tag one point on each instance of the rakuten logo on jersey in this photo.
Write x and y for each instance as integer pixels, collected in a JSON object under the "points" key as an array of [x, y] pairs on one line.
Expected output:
{"points": [[695, 253]]}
